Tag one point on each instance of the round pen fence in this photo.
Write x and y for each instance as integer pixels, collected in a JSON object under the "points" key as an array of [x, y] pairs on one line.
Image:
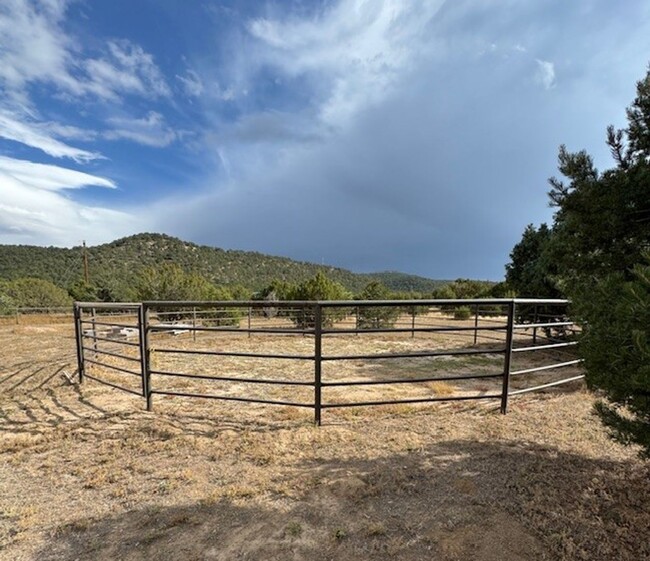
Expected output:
{"points": [[327, 354]]}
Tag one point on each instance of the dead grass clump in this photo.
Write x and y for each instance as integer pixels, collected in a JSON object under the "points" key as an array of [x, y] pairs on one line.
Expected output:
{"points": [[441, 389], [376, 529], [15, 442]]}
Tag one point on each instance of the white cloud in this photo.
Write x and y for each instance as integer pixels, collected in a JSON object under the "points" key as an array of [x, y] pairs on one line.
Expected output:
{"points": [[126, 68], [36, 49], [545, 75], [150, 130], [48, 177], [42, 136], [33, 46], [192, 83], [34, 208], [356, 50]]}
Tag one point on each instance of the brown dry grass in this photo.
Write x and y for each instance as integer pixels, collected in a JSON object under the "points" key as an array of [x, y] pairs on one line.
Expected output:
{"points": [[86, 473]]}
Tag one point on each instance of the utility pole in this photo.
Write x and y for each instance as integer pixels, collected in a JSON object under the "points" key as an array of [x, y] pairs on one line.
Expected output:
{"points": [[85, 258]]}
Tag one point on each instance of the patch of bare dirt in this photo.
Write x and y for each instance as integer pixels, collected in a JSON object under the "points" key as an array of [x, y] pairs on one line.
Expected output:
{"points": [[86, 473]]}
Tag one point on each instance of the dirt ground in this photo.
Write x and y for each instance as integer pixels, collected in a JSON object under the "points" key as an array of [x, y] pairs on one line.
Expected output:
{"points": [[87, 473]]}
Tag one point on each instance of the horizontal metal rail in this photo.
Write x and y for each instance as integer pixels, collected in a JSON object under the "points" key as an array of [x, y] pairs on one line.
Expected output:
{"points": [[423, 354], [549, 385], [547, 367], [116, 355], [410, 380], [109, 340], [234, 354], [234, 379], [413, 400], [230, 398], [118, 368], [413, 329], [112, 324], [112, 385], [109, 305], [544, 347], [337, 303], [546, 324], [272, 330]]}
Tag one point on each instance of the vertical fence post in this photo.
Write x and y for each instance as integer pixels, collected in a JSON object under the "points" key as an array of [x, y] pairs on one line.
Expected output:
{"points": [[318, 358], [508, 356], [146, 356], [250, 313], [412, 322], [535, 318], [356, 311], [194, 323], [143, 360], [79, 340], [93, 319], [475, 324]]}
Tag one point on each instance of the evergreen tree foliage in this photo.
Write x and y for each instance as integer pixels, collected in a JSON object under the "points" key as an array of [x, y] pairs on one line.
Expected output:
{"points": [[319, 287], [168, 282], [531, 272], [113, 266], [34, 293], [371, 317], [598, 247], [616, 347], [7, 304]]}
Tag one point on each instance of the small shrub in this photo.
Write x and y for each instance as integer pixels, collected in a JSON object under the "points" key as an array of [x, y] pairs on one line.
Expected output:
{"points": [[462, 313], [293, 529], [379, 316]]}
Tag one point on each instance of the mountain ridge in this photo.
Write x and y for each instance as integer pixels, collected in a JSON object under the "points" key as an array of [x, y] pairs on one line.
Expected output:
{"points": [[118, 262]]}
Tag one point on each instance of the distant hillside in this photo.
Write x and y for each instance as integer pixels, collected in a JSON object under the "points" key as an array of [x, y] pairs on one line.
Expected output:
{"points": [[115, 264]]}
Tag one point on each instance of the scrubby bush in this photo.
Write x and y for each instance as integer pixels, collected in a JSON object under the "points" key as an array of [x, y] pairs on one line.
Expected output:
{"points": [[36, 293], [168, 282], [7, 305], [462, 313], [376, 317], [319, 287]]}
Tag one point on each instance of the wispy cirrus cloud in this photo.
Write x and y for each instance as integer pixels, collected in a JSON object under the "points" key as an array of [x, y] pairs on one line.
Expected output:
{"points": [[125, 69], [545, 74], [36, 49], [192, 83], [43, 136], [150, 130], [353, 51], [48, 177]]}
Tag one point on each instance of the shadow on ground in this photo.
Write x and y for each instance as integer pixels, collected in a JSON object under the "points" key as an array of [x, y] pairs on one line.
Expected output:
{"points": [[457, 500]]}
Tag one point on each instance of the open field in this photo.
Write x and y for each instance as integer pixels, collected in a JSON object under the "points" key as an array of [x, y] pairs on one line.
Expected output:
{"points": [[86, 473]]}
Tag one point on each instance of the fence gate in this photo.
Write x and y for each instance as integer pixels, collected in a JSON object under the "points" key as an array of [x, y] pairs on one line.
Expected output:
{"points": [[111, 336]]}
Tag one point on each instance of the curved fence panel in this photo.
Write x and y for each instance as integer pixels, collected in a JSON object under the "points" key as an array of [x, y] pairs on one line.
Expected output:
{"points": [[327, 355]]}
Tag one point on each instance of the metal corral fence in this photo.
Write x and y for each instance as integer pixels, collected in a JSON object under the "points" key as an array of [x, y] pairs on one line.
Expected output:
{"points": [[134, 347], [15, 314]]}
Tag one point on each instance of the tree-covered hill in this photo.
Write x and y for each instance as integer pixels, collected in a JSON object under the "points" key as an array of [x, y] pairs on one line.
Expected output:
{"points": [[115, 265]]}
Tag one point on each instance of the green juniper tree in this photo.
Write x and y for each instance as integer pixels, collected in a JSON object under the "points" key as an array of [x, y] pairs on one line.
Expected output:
{"points": [[376, 316], [598, 248]]}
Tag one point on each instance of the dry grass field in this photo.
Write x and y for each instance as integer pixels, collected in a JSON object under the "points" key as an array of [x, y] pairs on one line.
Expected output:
{"points": [[87, 473]]}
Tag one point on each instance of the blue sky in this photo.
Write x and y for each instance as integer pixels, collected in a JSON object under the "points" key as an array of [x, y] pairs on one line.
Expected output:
{"points": [[414, 136]]}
